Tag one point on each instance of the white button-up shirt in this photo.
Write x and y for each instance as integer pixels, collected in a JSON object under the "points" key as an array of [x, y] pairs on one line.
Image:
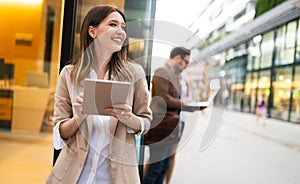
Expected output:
{"points": [[96, 168]]}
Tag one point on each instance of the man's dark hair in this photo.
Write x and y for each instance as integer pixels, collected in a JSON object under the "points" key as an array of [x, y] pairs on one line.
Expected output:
{"points": [[179, 51]]}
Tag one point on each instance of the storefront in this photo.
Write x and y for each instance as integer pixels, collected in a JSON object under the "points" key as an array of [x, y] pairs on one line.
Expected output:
{"points": [[271, 68]]}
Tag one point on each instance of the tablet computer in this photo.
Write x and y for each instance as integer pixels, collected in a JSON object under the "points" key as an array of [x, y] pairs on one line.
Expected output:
{"points": [[200, 105], [100, 94], [194, 106]]}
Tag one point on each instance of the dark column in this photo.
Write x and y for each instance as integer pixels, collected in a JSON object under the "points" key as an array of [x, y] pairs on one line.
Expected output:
{"points": [[67, 41]]}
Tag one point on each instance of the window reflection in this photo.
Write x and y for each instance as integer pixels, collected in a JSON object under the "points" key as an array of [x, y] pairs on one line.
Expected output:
{"points": [[295, 112], [282, 91], [285, 43], [267, 47], [254, 53], [30, 55], [298, 43], [247, 94]]}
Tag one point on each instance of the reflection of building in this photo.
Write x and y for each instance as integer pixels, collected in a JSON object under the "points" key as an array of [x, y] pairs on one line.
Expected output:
{"points": [[37, 38], [262, 56]]}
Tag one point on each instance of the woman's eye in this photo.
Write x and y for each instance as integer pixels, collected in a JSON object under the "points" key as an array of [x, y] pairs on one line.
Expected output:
{"points": [[113, 24], [123, 27]]}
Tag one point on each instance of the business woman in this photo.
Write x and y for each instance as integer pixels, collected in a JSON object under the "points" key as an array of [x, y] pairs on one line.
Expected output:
{"points": [[97, 148]]}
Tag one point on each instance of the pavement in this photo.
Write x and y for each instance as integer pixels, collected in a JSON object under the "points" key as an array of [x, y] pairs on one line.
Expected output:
{"points": [[241, 151], [25, 158]]}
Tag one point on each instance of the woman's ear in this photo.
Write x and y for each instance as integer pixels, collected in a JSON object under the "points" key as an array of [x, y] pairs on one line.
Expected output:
{"points": [[91, 31]]}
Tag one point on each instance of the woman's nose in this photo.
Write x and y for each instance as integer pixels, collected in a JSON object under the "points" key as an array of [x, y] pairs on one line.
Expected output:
{"points": [[121, 29]]}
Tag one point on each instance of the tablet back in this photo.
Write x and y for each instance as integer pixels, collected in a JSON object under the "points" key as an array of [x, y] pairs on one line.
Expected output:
{"points": [[99, 94]]}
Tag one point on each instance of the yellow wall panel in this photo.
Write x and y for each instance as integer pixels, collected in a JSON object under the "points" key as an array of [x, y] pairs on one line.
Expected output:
{"points": [[23, 21], [22, 66], [16, 19]]}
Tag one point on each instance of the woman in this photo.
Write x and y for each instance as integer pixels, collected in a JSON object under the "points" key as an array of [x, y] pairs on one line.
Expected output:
{"points": [[95, 148], [261, 110]]}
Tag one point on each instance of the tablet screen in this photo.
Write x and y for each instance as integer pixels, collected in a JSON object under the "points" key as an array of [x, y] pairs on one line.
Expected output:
{"points": [[100, 94]]}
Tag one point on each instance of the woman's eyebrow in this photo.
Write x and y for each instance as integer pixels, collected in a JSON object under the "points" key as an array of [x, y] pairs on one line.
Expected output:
{"points": [[115, 21]]}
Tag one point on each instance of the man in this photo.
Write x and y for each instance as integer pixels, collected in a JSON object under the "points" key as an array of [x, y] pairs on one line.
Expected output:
{"points": [[166, 91]]}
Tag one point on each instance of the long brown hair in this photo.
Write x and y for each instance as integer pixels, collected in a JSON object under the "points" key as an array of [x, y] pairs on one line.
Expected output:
{"points": [[118, 60]]}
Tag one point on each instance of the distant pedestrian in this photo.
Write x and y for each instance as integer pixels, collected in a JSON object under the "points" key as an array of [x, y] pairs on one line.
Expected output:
{"points": [[261, 110], [225, 96]]}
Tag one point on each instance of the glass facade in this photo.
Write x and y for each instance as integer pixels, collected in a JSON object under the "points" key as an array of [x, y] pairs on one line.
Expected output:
{"points": [[272, 68], [282, 92], [295, 111], [267, 46], [235, 79], [297, 55], [285, 43], [246, 107], [29, 61], [254, 53]]}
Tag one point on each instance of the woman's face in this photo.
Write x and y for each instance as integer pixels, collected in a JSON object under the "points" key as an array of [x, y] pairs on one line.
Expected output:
{"points": [[110, 33]]}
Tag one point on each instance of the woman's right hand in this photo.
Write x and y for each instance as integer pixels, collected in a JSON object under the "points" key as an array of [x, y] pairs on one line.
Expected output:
{"points": [[77, 109], [68, 128]]}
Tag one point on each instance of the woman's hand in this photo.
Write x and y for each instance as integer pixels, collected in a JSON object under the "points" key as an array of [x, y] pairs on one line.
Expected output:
{"points": [[122, 112], [68, 128], [77, 107]]}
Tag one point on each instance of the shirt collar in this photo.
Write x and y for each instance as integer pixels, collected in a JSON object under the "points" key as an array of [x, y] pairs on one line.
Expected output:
{"points": [[93, 75]]}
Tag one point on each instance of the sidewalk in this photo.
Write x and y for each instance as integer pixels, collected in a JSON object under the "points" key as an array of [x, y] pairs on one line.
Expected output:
{"points": [[282, 132], [242, 152], [25, 158]]}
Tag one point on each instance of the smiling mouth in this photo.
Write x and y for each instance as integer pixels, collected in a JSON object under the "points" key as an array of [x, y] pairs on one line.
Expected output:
{"points": [[117, 40]]}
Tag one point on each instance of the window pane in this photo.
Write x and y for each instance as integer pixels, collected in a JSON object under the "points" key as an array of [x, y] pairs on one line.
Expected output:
{"points": [[282, 91], [280, 38], [298, 43], [250, 63], [247, 93], [253, 91], [267, 47], [253, 56], [291, 35], [30, 55], [285, 42], [295, 112]]}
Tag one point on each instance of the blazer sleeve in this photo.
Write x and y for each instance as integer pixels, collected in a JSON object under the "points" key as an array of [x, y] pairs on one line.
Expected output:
{"points": [[63, 104], [141, 99]]}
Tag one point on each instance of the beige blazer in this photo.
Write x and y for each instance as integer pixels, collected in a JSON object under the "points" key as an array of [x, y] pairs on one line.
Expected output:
{"points": [[123, 158]]}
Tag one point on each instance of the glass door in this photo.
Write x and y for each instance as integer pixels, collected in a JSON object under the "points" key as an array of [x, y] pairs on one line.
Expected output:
{"points": [[30, 37]]}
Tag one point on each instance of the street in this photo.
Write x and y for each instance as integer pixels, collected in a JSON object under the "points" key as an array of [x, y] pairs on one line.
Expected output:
{"points": [[242, 152]]}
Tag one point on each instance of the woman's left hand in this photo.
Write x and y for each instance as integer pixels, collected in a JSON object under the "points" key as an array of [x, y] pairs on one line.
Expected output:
{"points": [[122, 112]]}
